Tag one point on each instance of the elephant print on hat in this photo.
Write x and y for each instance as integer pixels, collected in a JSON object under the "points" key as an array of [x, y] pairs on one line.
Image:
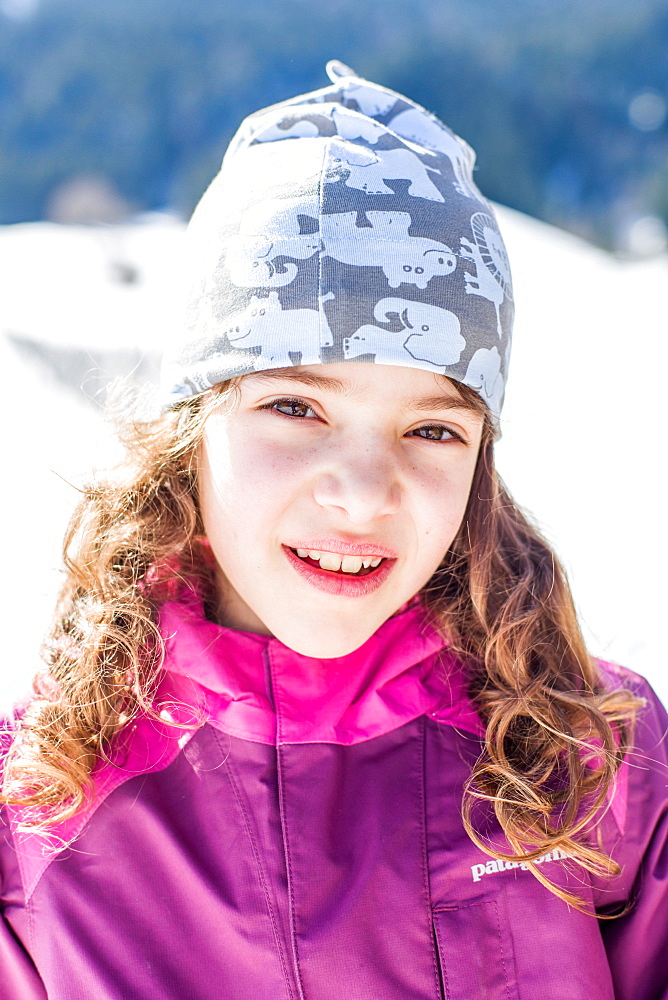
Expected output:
{"points": [[404, 259], [368, 172], [251, 258], [291, 127], [279, 333], [492, 270], [416, 126], [371, 99], [352, 125], [338, 120], [434, 337], [251, 262], [484, 375]]}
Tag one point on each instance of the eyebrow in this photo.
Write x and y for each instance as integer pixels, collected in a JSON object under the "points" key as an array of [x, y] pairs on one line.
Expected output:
{"points": [[341, 387], [306, 378]]}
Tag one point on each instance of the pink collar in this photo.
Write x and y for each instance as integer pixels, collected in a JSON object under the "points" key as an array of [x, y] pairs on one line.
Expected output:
{"points": [[254, 687]]}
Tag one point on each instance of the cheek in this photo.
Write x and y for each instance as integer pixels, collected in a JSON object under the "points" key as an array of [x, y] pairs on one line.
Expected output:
{"points": [[243, 485], [220, 480], [442, 505]]}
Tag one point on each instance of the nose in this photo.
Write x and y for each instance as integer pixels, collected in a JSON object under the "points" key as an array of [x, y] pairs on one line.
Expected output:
{"points": [[363, 484]]}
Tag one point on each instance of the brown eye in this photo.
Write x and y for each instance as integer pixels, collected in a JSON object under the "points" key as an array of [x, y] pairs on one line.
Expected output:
{"points": [[292, 407], [433, 432]]}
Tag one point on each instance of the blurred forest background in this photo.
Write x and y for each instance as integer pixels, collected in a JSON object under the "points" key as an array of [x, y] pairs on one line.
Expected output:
{"points": [[113, 107], [114, 115]]}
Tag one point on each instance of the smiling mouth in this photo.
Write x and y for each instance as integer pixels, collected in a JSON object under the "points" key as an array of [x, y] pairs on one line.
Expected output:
{"points": [[340, 565]]}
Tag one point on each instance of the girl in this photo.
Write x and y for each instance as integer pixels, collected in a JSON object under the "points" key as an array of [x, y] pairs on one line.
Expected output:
{"points": [[318, 721]]}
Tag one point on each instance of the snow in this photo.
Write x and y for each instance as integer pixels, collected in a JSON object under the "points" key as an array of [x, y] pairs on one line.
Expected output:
{"points": [[581, 444]]}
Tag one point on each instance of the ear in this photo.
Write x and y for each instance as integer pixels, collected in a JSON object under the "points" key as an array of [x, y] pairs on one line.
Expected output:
{"points": [[386, 308], [285, 277]]}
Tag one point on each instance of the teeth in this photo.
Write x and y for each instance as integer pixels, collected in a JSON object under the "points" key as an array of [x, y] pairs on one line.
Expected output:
{"points": [[329, 560], [333, 562]]}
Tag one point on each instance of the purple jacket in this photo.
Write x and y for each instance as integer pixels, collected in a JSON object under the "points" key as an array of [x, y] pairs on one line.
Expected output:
{"points": [[305, 842]]}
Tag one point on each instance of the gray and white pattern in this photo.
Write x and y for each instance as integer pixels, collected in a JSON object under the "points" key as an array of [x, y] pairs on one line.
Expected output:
{"points": [[345, 225]]}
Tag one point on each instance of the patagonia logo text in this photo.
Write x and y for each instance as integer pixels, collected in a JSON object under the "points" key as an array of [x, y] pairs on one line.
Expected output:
{"points": [[493, 866]]}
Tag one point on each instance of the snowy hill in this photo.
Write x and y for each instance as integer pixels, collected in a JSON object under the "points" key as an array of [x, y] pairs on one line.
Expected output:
{"points": [[581, 446]]}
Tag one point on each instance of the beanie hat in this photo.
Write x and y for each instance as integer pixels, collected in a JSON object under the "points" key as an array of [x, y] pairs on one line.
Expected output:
{"points": [[344, 225]]}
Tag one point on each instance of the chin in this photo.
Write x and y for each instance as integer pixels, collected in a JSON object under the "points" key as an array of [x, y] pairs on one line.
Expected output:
{"points": [[322, 644]]}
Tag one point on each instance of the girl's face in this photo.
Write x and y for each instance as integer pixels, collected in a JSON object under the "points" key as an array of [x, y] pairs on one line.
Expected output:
{"points": [[330, 495]]}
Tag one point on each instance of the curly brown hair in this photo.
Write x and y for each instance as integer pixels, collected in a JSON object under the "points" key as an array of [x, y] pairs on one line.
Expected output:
{"points": [[555, 734]]}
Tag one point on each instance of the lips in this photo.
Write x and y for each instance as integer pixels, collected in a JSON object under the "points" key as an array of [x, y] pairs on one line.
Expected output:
{"points": [[341, 572]]}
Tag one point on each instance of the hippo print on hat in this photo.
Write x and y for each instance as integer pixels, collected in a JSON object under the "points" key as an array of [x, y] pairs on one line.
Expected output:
{"points": [[404, 259], [345, 225], [278, 333]]}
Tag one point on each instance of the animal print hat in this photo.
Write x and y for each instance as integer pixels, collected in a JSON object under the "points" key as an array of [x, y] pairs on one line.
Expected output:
{"points": [[345, 225]]}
